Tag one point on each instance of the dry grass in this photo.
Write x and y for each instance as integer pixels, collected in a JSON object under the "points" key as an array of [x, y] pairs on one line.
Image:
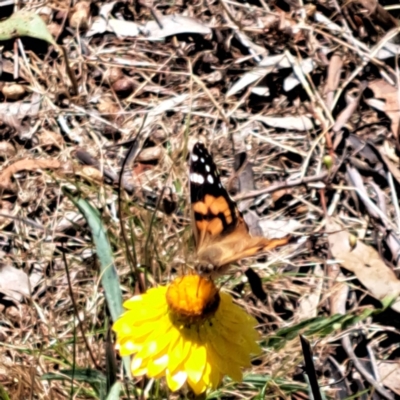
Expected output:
{"points": [[176, 91]]}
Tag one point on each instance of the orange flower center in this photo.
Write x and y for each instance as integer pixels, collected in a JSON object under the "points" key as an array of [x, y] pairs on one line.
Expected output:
{"points": [[192, 297]]}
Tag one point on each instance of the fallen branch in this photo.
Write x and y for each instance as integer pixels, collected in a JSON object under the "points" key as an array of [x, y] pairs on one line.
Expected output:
{"points": [[25, 165], [281, 185]]}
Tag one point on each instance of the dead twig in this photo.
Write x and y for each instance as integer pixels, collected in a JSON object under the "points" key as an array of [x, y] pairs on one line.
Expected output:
{"points": [[282, 185], [346, 343]]}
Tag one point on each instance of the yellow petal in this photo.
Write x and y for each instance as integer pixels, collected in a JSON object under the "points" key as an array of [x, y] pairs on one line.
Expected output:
{"points": [[127, 347], [235, 373], [136, 325], [226, 368], [254, 348], [136, 363], [229, 322], [157, 367], [154, 348], [132, 302], [138, 367], [157, 295], [151, 330], [231, 314], [156, 341], [196, 363], [142, 332], [123, 326], [149, 305], [215, 360], [233, 352], [238, 349], [147, 312], [178, 352], [176, 381], [211, 377], [154, 296], [197, 387]]}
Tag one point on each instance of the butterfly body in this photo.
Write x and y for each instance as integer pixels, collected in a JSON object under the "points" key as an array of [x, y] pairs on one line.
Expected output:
{"points": [[221, 234]]}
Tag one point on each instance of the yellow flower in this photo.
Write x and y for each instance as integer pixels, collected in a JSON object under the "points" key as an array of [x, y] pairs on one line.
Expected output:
{"points": [[188, 332]]}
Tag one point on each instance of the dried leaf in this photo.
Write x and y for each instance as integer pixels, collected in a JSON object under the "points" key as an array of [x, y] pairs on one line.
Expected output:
{"points": [[389, 50], [248, 78], [308, 304], [266, 66], [80, 15], [47, 137], [20, 109], [297, 123], [346, 114], [261, 91], [26, 164], [256, 50], [170, 25], [306, 66], [278, 229], [90, 173], [391, 167], [339, 292], [123, 28], [165, 105], [333, 78], [174, 25], [356, 180], [389, 372], [13, 91], [7, 149], [14, 283], [99, 25], [378, 14], [365, 262], [25, 23], [390, 94], [150, 154]]}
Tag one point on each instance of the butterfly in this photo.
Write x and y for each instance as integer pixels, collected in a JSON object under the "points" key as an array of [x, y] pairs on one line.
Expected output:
{"points": [[221, 234]]}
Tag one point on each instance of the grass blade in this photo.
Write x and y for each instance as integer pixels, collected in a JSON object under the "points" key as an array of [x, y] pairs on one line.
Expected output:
{"points": [[114, 392], [3, 393], [310, 368], [95, 379], [109, 276]]}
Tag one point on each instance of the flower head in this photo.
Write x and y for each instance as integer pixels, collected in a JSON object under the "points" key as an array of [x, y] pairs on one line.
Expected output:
{"points": [[187, 331]]}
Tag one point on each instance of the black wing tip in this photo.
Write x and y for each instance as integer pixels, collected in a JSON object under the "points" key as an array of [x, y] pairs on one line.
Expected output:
{"points": [[200, 157], [199, 146]]}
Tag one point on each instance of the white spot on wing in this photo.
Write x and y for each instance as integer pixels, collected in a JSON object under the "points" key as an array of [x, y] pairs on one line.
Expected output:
{"points": [[210, 179], [208, 168], [197, 178], [202, 160], [195, 157]]}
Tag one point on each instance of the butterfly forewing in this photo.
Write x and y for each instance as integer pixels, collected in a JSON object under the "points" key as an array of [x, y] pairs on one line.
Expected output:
{"points": [[215, 214], [221, 234]]}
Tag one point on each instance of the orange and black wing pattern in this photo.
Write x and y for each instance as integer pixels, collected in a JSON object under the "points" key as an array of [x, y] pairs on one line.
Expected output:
{"points": [[215, 214], [220, 232]]}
